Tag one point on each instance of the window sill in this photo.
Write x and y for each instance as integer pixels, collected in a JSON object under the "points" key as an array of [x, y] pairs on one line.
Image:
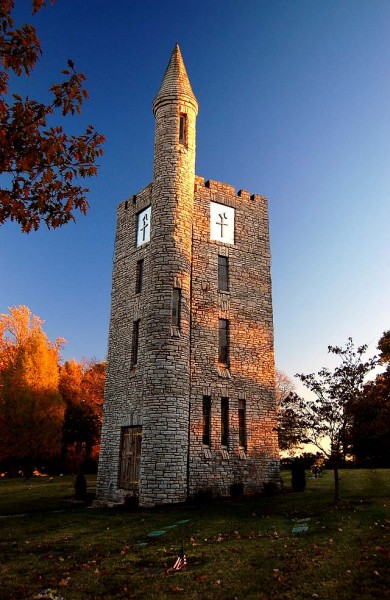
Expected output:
{"points": [[140, 246], [207, 452], [175, 331], [242, 453], [223, 371]]}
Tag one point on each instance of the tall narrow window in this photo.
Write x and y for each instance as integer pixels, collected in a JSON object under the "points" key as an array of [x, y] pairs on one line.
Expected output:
{"points": [[223, 273], [135, 343], [242, 424], [223, 347], [183, 129], [176, 302], [224, 421], [139, 276], [206, 420]]}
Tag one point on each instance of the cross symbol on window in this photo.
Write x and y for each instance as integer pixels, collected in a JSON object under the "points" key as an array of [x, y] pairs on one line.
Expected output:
{"points": [[223, 218], [145, 225]]}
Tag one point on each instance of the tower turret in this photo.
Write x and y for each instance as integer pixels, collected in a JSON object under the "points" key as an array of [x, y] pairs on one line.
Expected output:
{"points": [[175, 84], [163, 472]]}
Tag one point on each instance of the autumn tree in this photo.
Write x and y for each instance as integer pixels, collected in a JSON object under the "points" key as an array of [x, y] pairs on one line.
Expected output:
{"points": [[31, 407], [94, 381], [42, 164], [82, 389], [328, 416]]}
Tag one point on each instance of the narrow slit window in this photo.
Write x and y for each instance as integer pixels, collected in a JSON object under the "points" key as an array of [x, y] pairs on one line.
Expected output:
{"points": [[242, 424], [223, 273], [206, 420], [135, 344], [176, 306], [183, 129], [223, 346], [139, 276], [224, 421]]}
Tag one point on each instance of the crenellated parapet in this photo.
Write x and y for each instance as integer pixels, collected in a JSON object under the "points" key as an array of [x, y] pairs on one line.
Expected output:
{"points": [[228, 190]]}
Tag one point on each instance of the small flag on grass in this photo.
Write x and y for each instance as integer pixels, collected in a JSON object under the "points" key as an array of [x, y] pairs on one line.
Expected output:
{"points": [[181, 560]]}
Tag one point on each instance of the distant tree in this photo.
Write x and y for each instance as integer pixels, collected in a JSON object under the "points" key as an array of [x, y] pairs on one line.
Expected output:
{"points": [[41, 161], [31, 407], [289, 432], [283, 386], [370, 435], [312, 460], [326, 419], [82, 389]]}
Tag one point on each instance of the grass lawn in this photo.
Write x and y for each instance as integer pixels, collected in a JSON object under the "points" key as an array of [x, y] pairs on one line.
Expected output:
{"points": [[243, 550]]}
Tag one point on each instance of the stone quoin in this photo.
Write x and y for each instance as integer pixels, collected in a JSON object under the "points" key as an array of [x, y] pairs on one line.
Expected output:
{"points": [[189, 401]]}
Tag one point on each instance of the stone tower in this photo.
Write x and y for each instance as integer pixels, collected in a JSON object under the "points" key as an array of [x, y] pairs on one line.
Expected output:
{"points": [[189, 400]]}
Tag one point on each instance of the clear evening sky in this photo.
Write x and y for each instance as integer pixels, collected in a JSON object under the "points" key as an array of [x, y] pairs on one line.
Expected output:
{"points": [[294, 102]]}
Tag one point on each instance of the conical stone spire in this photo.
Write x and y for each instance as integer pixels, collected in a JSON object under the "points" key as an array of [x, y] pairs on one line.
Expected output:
{"points": [[175, 83]]}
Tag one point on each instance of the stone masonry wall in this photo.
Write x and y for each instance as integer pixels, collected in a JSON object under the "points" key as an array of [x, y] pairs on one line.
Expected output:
{"points": [[123, 403], [250, 376]]}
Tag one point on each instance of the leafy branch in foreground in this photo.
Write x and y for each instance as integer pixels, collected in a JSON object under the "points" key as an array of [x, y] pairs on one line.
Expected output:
{"points": [[42, 162]]}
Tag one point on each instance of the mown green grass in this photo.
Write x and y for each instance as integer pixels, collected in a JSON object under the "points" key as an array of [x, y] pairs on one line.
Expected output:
{"points": [[39, 494], [240, 550]]}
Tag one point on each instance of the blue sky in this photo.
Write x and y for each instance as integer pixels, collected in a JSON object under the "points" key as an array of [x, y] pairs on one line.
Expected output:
{"points": [[294, 102]]}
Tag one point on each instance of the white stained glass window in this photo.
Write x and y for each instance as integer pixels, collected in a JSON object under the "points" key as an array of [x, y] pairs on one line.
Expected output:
{"points": [[221, 223], [143, 226]]}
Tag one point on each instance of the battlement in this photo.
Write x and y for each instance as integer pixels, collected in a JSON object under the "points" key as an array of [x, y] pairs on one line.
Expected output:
{"points": [[225, 188], [143, 197], [137, 201]]}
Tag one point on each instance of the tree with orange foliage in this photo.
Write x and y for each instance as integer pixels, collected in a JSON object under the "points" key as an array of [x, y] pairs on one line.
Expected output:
{"points": [[41, 161], [82, 389], [31, 407]]}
